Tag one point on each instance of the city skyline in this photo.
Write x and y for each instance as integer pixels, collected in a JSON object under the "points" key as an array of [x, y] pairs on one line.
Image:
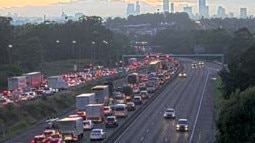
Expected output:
{"points": [[115, 8]]}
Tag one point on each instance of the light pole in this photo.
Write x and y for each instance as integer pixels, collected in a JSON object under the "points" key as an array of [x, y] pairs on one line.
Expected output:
{"points": [[9, 49], [108, 53], [74, 42], [93, 46]]}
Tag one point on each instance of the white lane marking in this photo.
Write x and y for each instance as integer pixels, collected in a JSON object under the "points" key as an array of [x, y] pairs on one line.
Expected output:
{"points": [[166, 140], [147, 130], [199, 108], [142, 138]]}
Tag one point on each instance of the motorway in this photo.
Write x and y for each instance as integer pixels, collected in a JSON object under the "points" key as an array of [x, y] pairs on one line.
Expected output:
{"points": [[192, 98], [183, 94]]}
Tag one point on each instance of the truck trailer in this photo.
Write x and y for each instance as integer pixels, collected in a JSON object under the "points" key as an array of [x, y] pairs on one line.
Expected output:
{"points": [[57, 82], [34, 79], [84, 99], [101, 93], [71, 128], [95, 112], [17, 82]]}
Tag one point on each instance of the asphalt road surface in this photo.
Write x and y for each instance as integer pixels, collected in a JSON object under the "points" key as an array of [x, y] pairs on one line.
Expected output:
{"points": [[192, 98]]}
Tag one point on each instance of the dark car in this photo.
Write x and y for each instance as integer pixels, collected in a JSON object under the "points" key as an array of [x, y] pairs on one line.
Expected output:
{"points": [[111, 121], [131, 106], [138, 100]]}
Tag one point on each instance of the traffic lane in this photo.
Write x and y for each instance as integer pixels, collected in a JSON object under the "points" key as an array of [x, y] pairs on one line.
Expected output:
{"points": [[109, 131], [206, 128], [143, 133], [148, 121], [184, 101]]}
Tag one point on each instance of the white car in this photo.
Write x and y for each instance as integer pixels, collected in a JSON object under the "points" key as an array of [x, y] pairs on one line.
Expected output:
{"points": [[182, 75], [97, 134], [182, 125], [169, 113], [88, 125]]}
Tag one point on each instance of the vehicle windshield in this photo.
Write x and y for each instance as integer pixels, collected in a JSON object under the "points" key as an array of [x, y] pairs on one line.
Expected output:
{"points": [[169, 110], [96, 132], [182, 122], [110, 119]]}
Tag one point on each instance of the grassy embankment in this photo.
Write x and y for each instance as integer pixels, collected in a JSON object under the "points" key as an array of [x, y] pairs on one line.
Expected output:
{"points": [[217, 97]]}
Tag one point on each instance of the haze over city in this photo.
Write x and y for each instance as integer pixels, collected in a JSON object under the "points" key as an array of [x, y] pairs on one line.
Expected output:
{"points": [[113, 8]]}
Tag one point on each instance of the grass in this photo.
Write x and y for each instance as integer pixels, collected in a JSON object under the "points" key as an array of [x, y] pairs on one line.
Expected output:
{"points": [[218, 95]]}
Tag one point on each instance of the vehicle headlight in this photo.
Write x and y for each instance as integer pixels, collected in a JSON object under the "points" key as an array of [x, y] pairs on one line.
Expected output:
{"points": [[165, 114], [178, 126]]}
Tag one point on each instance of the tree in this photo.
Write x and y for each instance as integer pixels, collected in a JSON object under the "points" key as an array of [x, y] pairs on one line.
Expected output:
{"points": [[5, 38], [236, 123]]}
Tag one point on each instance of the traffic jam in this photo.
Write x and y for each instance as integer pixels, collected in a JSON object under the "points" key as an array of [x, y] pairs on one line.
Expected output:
{"points": [[105, 106]]}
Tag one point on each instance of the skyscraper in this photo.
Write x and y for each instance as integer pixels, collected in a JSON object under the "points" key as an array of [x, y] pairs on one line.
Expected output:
{"points": [[172, 7], [221, 12], [138, 8], [166, 5], [243, 13], [203, 9], [188, 10], [130, 9]]}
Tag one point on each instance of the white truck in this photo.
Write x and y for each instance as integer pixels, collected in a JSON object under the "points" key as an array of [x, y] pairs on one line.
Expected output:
{"points": [[84, 99], [17, 82], [71, 128], [101, 93], [57, 82], [95, 112], [34, 79], [132, 61]]}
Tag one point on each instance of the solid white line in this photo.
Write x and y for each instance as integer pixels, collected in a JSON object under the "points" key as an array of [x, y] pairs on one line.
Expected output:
{"points": [[199, 108]]}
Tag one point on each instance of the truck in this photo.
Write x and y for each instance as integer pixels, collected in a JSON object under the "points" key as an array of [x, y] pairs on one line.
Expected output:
{"points": [[17, 82], [101, 93], [57, 82], [132, 61], [95, 112], [84, 99], [33, 79], [133, 79], [71, 128]]}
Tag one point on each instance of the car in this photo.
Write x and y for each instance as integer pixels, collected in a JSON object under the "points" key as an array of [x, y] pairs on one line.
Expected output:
{"points": [[137, 100], [169, 113], [131, 106], [111, 121], [182, 74], [201, 63], [194, 65], [182, 125], [55, 138], [39, 139], [88, 125], [48, 133], [97, 134], [108, 111], [144, 94]]}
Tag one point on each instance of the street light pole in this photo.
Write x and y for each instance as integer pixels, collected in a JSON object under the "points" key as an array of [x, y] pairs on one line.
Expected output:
{"points": [[93, 43], [9, 49], [75, 66]]}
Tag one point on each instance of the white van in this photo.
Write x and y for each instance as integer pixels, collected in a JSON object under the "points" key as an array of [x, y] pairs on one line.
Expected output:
{"points": [[120, 110]]}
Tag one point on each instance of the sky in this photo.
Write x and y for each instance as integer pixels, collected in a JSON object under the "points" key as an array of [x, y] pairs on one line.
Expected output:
{"points": [[111, 8]]}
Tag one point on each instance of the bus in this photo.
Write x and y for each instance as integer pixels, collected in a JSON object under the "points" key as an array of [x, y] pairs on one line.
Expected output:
{"points": [[154, 66], [133, 79]]}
